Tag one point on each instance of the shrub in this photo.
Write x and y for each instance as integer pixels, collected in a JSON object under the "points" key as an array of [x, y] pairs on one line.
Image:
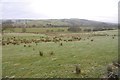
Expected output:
{"points": [[23, 30], [74, 29], [87, 30]]}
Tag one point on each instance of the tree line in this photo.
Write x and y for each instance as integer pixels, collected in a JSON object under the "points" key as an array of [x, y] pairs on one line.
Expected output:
{"points": [[9, 24]]}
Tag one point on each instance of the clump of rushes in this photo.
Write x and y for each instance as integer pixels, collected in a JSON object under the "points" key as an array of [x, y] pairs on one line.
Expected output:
{"points": [[78, 69], [40, 53], [109, 68], [61, 44], [91, 40], [51, 53], [24, 45]]}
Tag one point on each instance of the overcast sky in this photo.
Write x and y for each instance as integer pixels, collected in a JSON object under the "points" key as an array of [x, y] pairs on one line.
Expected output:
{"points": [[99, 10]]}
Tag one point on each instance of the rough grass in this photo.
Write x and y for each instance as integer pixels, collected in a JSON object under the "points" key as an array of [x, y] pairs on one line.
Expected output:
{"points": [[20, 61], [0, 56]]}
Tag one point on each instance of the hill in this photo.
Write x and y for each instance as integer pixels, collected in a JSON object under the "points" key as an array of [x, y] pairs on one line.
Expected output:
{"points": [[62, 23]]}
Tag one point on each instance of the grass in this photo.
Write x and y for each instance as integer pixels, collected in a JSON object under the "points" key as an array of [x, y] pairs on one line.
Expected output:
{"points": [[93, 57], [0, 57]]}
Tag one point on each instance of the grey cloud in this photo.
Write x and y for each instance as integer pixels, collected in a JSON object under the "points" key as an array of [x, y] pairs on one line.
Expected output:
{"points": [[18, 10]]}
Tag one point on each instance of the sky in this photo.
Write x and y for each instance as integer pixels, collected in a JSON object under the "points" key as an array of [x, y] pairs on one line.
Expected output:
{"points": [[99, 10]]}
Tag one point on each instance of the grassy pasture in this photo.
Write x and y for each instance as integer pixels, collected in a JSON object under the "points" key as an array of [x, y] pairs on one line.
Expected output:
{"points": [[93, 56], [0, 62]]}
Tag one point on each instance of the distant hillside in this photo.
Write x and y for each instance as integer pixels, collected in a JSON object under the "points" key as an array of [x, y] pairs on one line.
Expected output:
{"points": [[62, 23]]}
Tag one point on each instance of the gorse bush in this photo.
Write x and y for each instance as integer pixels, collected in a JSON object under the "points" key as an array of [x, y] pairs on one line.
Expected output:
{"points": [[74, 29]]}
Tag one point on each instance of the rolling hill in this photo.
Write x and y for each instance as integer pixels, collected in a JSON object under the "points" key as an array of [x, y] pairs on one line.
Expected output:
{"points": [[62, 23]]}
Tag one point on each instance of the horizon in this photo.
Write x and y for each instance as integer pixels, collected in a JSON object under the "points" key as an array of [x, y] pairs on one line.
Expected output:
{"points": [[61, 19], [61, 9]]}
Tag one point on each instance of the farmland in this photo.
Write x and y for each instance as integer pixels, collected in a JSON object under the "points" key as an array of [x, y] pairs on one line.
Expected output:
{"points": [[61, 51]]}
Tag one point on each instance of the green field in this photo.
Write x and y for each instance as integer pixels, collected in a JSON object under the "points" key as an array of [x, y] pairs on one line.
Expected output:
{"points": [[21, 61]]}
